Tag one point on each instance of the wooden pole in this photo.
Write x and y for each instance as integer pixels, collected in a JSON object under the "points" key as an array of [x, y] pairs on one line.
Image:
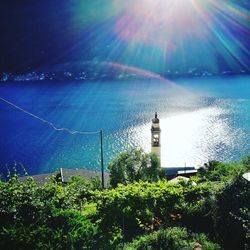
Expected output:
{"points": [[102, 164]]}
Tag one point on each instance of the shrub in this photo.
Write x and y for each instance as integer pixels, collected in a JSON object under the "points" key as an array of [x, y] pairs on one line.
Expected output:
{"points": [[45, 217], [175, 238], [142, 206], [232, 216], [64, 229]]}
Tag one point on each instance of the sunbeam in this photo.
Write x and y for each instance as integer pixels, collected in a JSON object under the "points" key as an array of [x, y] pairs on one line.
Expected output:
{"points": [[172, 35]]}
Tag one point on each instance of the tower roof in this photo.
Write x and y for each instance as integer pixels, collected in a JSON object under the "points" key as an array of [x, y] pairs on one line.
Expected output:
{"points": [[155, 120]]}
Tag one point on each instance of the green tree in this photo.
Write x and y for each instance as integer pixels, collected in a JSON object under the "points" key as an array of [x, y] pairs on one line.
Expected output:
{"points": [[134, 165], [219, 171]]}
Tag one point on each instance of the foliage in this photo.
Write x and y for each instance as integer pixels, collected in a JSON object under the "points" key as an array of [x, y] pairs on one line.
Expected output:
{"points": [[80, 215], [142, 206], [198, 206], [218, 171], [232, 216], [134, 165], [246, 162], [174, 238], [44, 217], [64, 229]]}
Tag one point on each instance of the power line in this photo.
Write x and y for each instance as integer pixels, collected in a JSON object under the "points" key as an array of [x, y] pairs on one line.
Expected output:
{"points": [[70, 131]]}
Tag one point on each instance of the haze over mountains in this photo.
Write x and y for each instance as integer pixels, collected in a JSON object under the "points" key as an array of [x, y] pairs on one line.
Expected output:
{"points": [[210, 36]]}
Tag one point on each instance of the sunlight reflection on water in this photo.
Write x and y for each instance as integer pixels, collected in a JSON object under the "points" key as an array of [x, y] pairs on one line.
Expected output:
{"points": [[190, 138]]}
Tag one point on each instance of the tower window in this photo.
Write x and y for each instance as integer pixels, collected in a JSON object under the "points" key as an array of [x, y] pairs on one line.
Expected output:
{"points": [[155, 139]]}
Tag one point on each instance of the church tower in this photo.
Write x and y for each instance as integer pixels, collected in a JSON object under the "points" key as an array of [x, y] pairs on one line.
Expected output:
{"points": [[155, 137]]}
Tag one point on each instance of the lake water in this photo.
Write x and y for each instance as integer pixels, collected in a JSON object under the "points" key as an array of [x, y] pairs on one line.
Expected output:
{"points": [[201, 119]]}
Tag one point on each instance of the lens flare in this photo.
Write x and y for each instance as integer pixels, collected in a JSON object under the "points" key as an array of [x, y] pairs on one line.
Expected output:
{"points": [[161, 35]]}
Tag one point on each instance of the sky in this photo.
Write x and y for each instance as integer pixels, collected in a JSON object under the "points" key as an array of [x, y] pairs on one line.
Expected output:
{"points": [[154, 35]]}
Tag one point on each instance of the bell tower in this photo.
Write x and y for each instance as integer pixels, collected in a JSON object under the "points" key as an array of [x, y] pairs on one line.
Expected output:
{"points": [[155, 137]]}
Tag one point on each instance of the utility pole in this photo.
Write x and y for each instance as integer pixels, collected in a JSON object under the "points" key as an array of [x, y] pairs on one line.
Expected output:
{"points": [[102, 164]]}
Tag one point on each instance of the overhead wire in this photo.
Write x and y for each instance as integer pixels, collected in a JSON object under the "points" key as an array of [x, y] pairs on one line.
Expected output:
{"points": [[70, 131]]}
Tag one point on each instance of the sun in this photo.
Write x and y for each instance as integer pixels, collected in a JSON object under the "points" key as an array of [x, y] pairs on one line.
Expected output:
{"points": [[157, 22]]}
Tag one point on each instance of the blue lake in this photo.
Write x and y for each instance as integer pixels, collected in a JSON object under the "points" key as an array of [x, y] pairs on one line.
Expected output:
{"points": [[201, 119]]}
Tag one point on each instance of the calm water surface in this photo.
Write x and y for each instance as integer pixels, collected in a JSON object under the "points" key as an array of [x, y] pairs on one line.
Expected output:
{"points": [[201, 119]]}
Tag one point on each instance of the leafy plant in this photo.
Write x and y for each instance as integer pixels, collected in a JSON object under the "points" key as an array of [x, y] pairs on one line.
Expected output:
{"points": [[159, 214], [174, 238], [134, 165]]}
